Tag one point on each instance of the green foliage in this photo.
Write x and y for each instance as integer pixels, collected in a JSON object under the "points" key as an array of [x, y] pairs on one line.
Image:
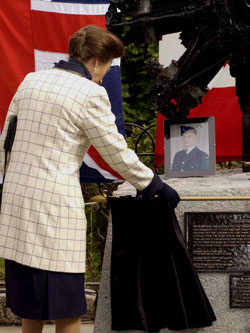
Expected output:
{"points": [[2, 272], [97, 218], [136, 82], [96, 234]]}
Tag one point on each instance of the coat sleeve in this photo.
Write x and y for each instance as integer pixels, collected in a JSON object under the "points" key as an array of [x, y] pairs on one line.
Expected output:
{"points": [[98, 123], [12, 112]]}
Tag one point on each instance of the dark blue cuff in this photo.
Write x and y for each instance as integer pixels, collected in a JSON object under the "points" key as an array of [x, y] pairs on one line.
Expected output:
{"points": [[153, 188]]}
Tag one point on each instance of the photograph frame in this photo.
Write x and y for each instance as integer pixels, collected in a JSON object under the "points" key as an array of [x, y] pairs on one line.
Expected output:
{"points": [[173, 144]]}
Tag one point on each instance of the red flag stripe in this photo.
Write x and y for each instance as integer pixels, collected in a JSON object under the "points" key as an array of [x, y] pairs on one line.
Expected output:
{"points": [[16, 56], [93, 153], [223, 104], [52, 31]]}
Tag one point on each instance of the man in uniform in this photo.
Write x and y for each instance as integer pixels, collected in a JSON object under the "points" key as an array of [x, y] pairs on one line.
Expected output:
{"points": [[190, 157]]}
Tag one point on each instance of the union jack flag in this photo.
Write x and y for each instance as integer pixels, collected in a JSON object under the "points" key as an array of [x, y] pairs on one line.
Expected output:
{"points": [[34, 35]]}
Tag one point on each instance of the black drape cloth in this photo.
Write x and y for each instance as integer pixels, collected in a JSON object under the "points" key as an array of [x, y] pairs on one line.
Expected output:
{"points": [[153, 282]]}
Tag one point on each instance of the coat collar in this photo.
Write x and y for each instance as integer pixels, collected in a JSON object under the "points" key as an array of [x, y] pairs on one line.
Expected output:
{"points": [[74, 65]]}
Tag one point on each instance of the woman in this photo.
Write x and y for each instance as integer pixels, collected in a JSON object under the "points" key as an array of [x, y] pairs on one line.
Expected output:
{"points": [[61, 112]]}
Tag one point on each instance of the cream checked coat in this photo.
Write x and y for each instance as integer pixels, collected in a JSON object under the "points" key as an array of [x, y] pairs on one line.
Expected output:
{"points": [[42, 220]]}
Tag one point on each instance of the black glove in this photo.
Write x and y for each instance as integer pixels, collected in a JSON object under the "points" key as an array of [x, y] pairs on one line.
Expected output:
{"points": [[170, 195], [164, 191]]}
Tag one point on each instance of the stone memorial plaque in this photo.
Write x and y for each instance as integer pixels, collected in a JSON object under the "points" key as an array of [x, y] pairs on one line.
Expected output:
{"points": [[240, 291], [219, 241]]}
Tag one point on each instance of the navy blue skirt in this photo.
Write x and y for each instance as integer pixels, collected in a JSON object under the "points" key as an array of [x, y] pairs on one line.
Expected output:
{"points": [[44, 295]]}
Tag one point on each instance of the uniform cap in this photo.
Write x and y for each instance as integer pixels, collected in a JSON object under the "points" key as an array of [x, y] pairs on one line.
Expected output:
{"points": [[187, 128]]}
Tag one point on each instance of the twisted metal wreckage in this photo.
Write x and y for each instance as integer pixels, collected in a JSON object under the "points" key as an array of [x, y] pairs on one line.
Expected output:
{"points": [[214, 32]]}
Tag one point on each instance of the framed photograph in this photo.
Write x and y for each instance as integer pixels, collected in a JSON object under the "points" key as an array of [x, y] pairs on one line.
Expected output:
{"points": [[189, 147]]}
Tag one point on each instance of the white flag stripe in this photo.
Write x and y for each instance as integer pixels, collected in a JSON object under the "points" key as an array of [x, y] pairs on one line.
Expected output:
{"points": [[116, 62], [69, 8], [92, 164], [222, 79], [170, 48], [46, 60]]}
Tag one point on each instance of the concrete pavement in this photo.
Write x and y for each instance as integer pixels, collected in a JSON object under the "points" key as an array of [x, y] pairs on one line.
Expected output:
{"points": [[85, 328]]}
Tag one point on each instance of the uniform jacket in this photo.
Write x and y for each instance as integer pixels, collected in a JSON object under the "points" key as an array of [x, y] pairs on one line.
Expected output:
{"points": [[42, 220], [195, 160]]}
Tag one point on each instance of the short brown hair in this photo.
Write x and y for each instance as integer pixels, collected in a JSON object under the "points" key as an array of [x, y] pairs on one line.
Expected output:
{"points": [[95, 42]]}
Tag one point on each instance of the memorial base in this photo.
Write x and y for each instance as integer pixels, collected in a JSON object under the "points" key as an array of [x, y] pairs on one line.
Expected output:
{"points": [[226, 183]]}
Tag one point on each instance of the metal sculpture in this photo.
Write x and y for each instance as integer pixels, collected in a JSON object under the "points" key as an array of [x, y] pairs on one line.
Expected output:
{"points": [[213, 31]]}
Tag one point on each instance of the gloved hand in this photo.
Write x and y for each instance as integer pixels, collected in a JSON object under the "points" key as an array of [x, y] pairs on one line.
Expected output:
{"points": [[170, 195], [164, 191]]}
